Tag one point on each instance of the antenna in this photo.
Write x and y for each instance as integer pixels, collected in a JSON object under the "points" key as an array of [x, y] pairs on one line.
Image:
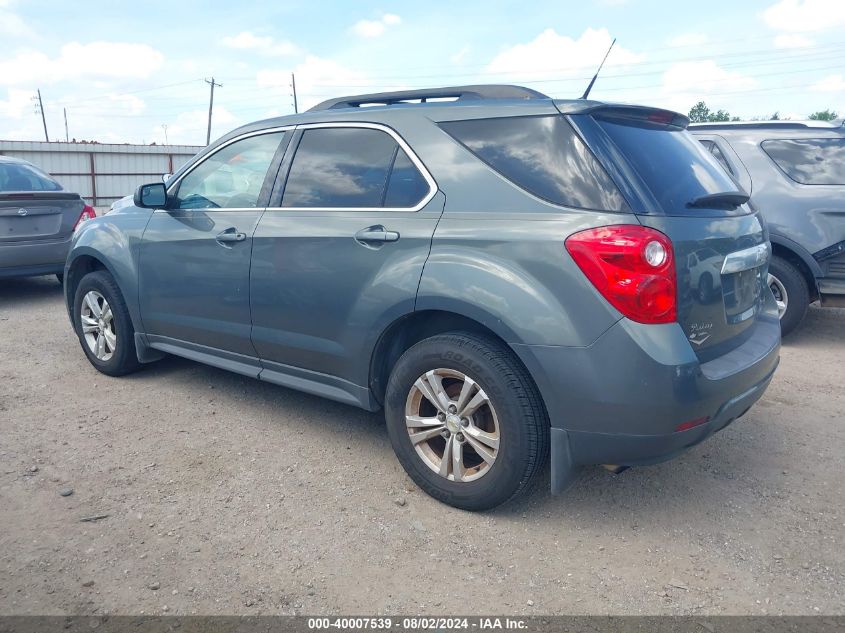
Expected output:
{"points": [[593, 80]]}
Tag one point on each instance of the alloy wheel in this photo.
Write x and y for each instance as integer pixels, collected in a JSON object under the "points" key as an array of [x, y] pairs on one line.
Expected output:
{"points": [[781, 296], [452, 425], [98, 325]]}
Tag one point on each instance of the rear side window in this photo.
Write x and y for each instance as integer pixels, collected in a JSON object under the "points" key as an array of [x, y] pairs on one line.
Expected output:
{"points": [[717, 154], [811, 161], [544, 156], [352, 168], [675, 167], [23, 177]]}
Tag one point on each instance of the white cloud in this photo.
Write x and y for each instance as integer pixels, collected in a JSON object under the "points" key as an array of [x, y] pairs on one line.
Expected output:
{"points": [[689, 39], [553, 55], [375, 28], [97, 59], [686, 83], [315, 79], [18, 104], [189, 128], [805, 16], [266, 45], [459, 57], [792, 40], [12, 26], [831, 83]]}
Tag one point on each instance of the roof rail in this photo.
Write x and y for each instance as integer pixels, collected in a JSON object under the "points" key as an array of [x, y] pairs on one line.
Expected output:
{"points": [[460, 93], [783, 124]]}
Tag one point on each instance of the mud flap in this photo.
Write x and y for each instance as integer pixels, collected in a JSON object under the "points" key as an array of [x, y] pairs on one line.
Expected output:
{"points": [[564, 471]]}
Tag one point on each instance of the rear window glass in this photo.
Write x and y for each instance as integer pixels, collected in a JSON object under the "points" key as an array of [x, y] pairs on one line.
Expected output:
{"points": [[544, 156], [675, 167], [811, 161], [23, 177]]}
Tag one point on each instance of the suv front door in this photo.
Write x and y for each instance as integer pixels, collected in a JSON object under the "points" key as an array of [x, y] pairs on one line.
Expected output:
{"points": [[338, 255], [195, 254]]}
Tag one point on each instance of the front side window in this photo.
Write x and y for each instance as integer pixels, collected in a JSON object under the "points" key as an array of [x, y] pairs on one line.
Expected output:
{"points": [[24, 177], [231, 177], [811, 161], [544, 156], [352, 168]]}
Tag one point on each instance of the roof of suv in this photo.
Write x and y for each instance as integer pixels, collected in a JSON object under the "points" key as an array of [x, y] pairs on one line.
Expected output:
{"points": [[451, 99]]}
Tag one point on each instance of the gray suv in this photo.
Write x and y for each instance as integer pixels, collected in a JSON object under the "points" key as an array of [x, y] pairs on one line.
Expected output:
{"points": [[795, 173], [505, 274]]}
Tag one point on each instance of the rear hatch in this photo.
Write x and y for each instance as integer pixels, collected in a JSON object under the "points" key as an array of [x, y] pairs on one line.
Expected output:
{"points": [[33, 206], [720, 244]]}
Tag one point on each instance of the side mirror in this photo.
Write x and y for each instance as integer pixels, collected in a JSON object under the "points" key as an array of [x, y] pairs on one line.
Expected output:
{"points": [[152, 196]]}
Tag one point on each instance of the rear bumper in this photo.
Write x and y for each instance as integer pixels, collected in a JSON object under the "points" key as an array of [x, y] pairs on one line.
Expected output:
{"points": [[622, 399], [41, 257]]}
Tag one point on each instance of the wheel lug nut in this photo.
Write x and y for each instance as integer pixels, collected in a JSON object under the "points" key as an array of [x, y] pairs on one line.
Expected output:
{"points": [[452, 408], [460, 437], [464, 422], [441, 417]]}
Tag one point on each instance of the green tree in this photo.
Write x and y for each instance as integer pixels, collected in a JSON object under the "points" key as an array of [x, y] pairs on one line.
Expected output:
{"points": [[823, 115], [700, 113]]}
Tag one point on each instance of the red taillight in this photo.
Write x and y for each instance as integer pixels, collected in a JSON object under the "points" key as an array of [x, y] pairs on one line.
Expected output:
{"points": [[632, 266], [88, 213]]}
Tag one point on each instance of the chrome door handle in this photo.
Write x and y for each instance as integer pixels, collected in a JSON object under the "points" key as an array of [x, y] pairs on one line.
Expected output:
{"points": [[375, 234], [230, 235]]}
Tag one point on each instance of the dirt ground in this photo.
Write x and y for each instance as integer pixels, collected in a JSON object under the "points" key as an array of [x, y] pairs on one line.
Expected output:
{"points": [[225, 495]]}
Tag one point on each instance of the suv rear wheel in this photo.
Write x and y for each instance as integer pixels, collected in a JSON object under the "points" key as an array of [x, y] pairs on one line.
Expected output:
{"points": [[466, 420], [790, 291]]}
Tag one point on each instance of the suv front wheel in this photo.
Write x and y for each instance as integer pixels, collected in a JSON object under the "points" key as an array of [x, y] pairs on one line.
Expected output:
{"points": [[466, 420]]}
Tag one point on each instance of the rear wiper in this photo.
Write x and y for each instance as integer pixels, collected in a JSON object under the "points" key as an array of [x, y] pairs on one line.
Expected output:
{"points": [[723, 200]]}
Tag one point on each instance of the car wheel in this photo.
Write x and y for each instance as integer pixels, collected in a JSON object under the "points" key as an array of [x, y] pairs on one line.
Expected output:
{"points": [[61, 278], [466, 420], [103, 326], [791, 293]]}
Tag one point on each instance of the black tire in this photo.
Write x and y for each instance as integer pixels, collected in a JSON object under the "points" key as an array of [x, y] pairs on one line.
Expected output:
{"points": [[124, 359], [60, 278], [798, 294], [522, 419]]}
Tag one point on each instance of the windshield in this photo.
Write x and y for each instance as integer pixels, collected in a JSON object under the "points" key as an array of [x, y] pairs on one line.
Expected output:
{"points": [[674, 166], [24, 177]]}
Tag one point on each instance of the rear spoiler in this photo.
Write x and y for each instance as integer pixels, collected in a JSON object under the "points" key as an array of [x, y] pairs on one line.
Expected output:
{"points": [[657, 117]]}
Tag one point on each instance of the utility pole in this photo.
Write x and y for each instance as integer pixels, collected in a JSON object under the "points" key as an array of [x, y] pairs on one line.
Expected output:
{"points": [[212, 83], [67, 136], [164, 127], [39, 107], [293, 85]]}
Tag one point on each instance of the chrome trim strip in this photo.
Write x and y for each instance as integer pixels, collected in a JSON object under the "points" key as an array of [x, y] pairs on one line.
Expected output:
{"points": [[432, 184], [746, 259]]}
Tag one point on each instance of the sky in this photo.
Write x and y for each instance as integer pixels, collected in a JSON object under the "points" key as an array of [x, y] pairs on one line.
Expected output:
{"points": [[137, 71]]}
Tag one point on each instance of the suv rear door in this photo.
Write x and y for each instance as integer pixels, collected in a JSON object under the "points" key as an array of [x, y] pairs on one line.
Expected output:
{"points": [[683, 192], [339, 253]]}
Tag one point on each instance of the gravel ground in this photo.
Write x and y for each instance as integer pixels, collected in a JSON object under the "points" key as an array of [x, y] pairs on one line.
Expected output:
{"points": [[224, 495]]}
